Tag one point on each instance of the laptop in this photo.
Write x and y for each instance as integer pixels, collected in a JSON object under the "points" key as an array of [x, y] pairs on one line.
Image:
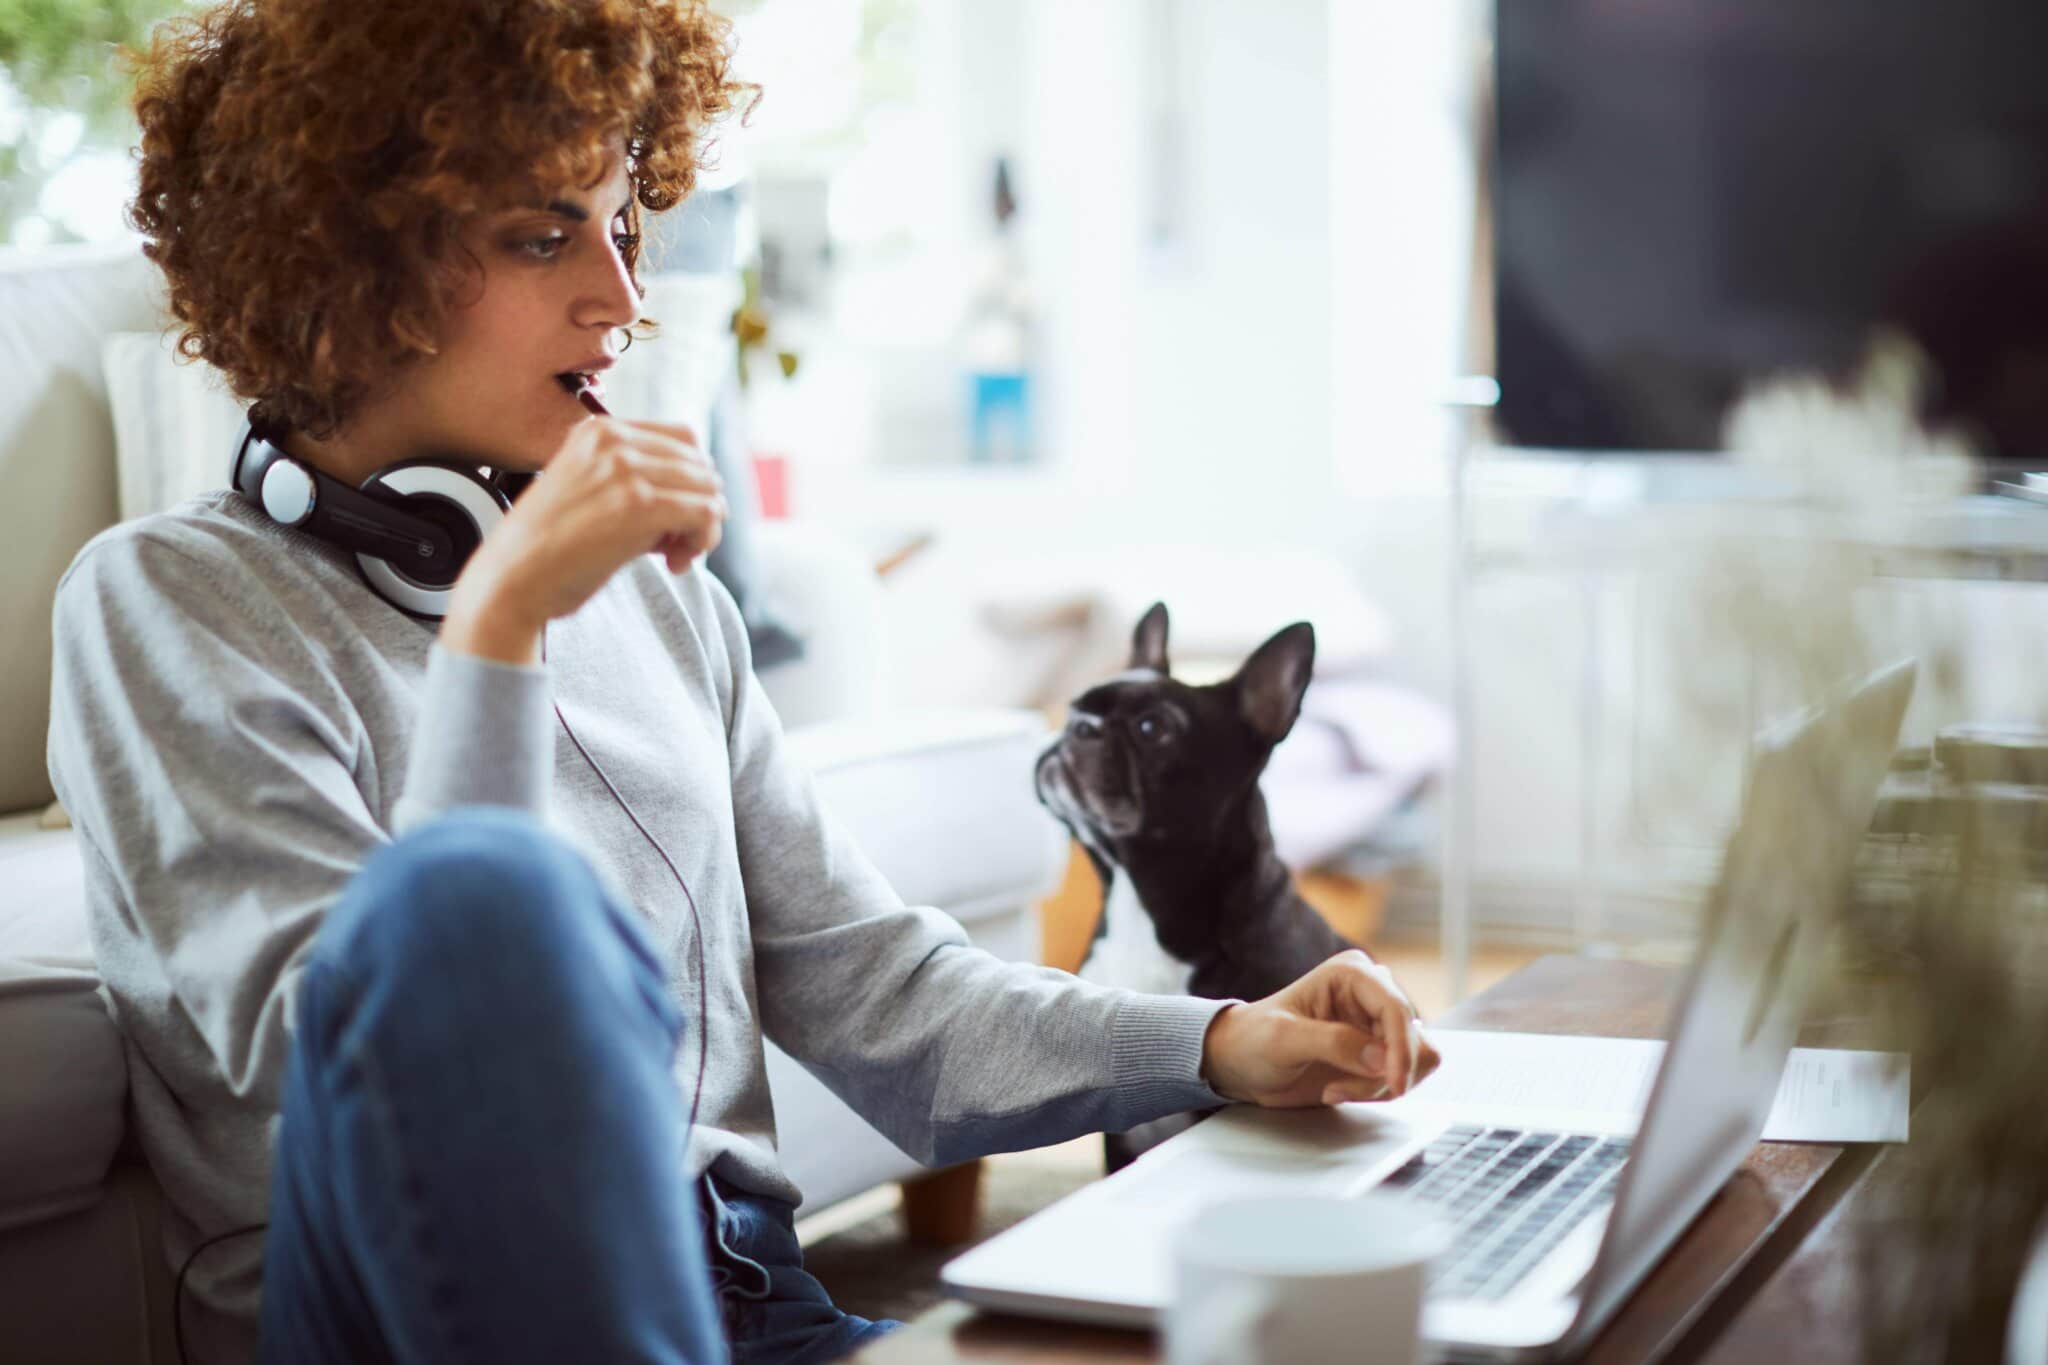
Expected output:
{"points": [[1554, 1220]]}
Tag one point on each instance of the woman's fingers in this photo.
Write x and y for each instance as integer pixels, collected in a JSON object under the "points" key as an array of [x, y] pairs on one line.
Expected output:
{"points": [[1345, 1049], [1395, 1023], [677, 432], [673, 469], [680, 548], [1355, 1092], [658, 452], [689, 519], [1427, 1059], [675, 444], [1366, 997]]}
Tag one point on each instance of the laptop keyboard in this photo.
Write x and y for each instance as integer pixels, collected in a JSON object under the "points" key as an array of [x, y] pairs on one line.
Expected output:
{"points": [[1511, 1198]]}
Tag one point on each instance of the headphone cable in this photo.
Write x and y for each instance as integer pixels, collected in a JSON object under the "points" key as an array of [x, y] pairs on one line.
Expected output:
{"points": [[696, 918], [178, 1288]]}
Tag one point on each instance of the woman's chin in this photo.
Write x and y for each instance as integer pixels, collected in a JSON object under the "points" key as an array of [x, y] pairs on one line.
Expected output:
{"points": [[532, 456]]}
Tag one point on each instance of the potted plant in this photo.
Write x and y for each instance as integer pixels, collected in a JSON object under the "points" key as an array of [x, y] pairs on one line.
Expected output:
{"points": [[1942, 937]]}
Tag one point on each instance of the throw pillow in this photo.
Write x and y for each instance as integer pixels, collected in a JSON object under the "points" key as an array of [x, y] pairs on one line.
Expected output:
{"points": [[175, 423]]}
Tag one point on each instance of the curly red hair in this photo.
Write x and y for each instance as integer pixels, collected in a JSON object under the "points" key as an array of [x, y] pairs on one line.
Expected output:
{"points": [[307, 165]]}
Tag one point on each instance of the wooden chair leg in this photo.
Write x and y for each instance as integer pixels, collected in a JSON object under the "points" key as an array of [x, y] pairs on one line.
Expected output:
{"points": [[941, 1208]]}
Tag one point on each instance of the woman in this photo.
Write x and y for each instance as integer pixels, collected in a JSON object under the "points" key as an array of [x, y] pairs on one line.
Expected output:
{"points": [[494, 917]]}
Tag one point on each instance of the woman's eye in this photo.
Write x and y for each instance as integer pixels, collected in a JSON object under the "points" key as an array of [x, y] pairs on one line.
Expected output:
{"points": [[546, 248]]}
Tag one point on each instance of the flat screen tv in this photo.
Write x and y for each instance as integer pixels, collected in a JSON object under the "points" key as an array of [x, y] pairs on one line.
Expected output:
{"points": [[1690, 195]]}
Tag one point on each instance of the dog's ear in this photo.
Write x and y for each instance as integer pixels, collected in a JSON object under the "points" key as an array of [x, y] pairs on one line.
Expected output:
{"points": [[1148, 641], [1270, 685]]}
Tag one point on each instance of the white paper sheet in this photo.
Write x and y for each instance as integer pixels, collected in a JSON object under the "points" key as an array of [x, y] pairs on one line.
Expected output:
{"points": [[1826, 1095]]}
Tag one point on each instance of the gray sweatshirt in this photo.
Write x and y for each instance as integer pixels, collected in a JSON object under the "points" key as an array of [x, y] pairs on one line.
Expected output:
{"points": [[238, 723]]}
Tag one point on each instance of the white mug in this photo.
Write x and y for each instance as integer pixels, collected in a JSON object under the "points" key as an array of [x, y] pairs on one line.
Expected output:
{"points": [[1298, 1279]]}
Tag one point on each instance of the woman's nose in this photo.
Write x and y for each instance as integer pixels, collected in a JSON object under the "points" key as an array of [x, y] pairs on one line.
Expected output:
{"points": [[611, 299]]}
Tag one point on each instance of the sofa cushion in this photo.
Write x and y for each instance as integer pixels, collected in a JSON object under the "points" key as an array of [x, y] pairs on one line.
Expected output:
{"points": [[63, 1078], [93, 1285], [942, 802], [42, 916], [56, 461], [176, 423]]}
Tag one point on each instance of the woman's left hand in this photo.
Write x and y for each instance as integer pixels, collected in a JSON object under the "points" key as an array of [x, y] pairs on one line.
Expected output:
{"points": [[1344, 1031]]}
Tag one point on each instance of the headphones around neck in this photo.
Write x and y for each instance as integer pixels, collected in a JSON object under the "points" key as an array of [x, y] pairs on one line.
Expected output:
{"points": [[411, 526]]}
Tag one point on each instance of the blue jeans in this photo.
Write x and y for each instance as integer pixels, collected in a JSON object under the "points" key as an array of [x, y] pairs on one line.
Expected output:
{"points": [[776, 1313], [480, 1156]]}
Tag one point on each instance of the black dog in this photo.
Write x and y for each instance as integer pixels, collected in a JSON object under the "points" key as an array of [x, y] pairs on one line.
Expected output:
{"points": [[1159, 781]]}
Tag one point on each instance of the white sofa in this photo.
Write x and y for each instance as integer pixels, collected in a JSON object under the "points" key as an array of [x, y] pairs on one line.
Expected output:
{"points": [[941, 799]]}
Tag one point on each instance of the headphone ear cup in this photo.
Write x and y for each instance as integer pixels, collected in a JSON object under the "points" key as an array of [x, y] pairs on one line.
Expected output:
{"points": [[457, 500]]}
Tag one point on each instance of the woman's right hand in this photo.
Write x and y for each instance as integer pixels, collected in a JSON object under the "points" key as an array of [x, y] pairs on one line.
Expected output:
{"points": [[615, 490]]}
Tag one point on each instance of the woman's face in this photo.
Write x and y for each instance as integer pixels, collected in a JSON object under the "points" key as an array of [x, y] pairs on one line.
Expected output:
{"points": [[552, 295]]}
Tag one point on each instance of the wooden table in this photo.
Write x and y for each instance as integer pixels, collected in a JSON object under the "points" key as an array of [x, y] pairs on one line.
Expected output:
{"points": [[1718, 1276]]}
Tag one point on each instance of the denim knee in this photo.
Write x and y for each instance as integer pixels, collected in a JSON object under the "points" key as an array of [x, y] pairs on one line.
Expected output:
{"points": [[492, 894]]}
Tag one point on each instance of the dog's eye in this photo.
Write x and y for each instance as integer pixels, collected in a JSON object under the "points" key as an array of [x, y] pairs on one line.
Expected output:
{"points": [[1152, 727]]}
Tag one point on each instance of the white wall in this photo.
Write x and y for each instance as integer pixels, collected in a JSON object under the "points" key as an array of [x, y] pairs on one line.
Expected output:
{"points": [[1193, 394]]}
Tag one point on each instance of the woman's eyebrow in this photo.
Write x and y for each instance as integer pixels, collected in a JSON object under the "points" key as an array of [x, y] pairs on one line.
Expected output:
{"points": [[575, 213]]}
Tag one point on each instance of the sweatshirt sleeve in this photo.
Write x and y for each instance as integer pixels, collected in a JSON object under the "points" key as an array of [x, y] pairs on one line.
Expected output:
{"points": [[213, 763], [485, 738], [950, 1052]]}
